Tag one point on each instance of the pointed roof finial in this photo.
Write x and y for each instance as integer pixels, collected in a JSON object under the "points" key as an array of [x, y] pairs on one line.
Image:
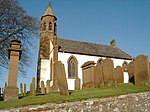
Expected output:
{"points": [[49, 10]]}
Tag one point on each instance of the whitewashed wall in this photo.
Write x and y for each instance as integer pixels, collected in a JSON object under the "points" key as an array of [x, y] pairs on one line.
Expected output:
{"points": [[81, 60]]}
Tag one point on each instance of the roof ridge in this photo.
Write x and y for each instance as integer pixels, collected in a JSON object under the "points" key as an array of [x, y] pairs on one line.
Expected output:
{"points": [[84, 42]]}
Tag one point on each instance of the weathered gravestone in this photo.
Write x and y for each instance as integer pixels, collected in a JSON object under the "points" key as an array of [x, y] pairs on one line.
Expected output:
{"points": [[21, 89], [43, 87], [141, 70], [61, 79], [33, 84], [24, 89], [11, 91], [48, 86], [119, 74], [98, 76], [88, 74], [77, 84], [108, 71], [130, 69]]}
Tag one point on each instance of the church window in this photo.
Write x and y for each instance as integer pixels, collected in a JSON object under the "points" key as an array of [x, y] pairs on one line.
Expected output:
{"points": [[55, 27], [44, 26], [72, 67], [50, 26]]}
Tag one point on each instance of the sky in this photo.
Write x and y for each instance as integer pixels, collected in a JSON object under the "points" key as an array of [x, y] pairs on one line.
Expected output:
{"points": [[97, 21]]}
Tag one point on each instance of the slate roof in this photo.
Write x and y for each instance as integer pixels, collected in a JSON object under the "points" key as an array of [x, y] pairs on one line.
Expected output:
{"points": [[86, 48]]}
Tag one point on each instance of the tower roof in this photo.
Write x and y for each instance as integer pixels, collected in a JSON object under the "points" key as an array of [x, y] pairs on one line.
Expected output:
{"points": [[49, 11]]}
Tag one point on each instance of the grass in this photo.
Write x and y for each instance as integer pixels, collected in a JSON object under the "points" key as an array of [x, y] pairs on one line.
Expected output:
{"points": [[75, 96]]}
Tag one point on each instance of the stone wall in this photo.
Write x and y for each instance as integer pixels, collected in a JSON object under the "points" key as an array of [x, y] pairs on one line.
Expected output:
{"points": [[139, 102]]}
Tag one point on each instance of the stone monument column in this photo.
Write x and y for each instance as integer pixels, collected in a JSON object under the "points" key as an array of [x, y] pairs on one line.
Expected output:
{"points": [[11, 91]]}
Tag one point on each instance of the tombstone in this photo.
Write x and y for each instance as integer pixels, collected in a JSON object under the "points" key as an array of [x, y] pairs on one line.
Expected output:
{"points": [[11, 91], [119, 74], [33, 84], [108, 72], [88, 74], [141, 70], [31, 88], [77, 84], [24, 89], [21, 89], [48, 86], [98, 76], [42, 87], [61, 79], [130, 70]]}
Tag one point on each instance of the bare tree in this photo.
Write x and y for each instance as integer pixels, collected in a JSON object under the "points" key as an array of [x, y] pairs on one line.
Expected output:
{"points": [[15, 23]]}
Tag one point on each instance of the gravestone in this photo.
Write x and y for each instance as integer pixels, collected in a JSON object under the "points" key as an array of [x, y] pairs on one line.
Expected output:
{"points": [[98, 76], [77, 84], [24, 89], [48, 86], [108, 72], [21, 89], [31, 89], [61, 79], [119, 74], [42, 87], [130, 70], [141, 70], [11, 91], [33, 84], [88, 74]]}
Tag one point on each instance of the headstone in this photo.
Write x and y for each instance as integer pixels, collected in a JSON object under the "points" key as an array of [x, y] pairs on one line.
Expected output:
{"points": [[119, 74], [131, 73], [77, 84], [98, 76], [21, 89], [33, 84], [61, 79], [31, 89], [25, 89], [42, 87], [108, 71], [11, 91], [141, 70], [88, 74], [48, 86]]}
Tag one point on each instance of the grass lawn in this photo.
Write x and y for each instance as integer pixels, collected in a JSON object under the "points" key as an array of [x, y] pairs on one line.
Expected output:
{"points": [[75, 96]]}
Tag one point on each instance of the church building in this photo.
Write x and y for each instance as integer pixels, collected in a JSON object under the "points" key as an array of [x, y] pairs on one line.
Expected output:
{"points": [[73, 54]]}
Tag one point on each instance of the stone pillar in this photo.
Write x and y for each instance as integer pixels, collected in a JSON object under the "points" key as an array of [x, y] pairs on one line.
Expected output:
{"points": [[31, 88], [88, 74], [42, 87], [55, 84], [11, 91], [25, 90], [33, 84], [21, 89]]}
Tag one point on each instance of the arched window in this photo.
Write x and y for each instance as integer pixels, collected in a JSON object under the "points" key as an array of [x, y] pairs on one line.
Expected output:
{"points": [[50, 26], [100, 61], [55, 28], [44, 26], [72, 67]]}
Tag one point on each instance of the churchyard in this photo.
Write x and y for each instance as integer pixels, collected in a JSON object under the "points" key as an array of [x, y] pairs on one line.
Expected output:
{"points": [[99, 81]]}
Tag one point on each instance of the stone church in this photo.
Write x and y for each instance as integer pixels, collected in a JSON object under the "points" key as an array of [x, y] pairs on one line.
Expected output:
{"points": [[73, 54]]}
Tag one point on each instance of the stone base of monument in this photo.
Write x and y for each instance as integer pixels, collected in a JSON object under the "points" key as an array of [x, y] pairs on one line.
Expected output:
{"points": [[10, 92]]}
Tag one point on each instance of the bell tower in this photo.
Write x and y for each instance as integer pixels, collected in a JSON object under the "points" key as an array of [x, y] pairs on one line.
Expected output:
{"points": [[47, 32], [48, 36]]}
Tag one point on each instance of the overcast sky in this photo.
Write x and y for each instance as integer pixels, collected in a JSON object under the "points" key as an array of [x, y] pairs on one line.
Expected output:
{"points": [[98, 21]]}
